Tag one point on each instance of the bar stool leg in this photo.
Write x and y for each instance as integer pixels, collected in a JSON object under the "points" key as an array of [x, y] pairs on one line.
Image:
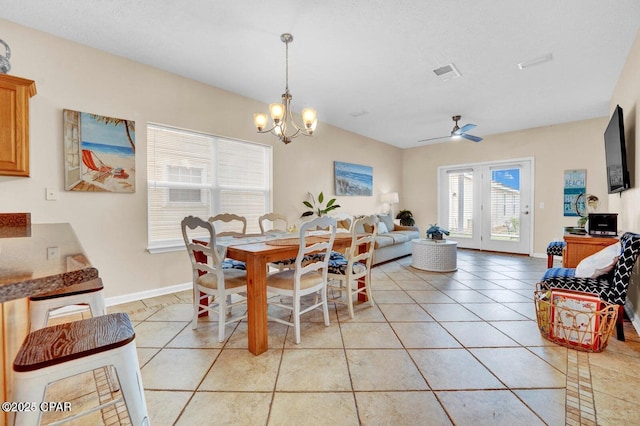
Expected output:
{"points": [[128, 370]]}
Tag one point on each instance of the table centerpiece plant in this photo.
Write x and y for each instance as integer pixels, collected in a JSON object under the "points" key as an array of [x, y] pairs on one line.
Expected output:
{"points": [[436, 233], [316, 207]]}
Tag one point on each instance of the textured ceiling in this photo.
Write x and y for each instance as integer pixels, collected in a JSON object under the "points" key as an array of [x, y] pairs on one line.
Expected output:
{"points": [[366, 66]]}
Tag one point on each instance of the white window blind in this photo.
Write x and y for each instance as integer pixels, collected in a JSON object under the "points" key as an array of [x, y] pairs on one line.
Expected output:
{"points": [[191, 173], [460, 190]]}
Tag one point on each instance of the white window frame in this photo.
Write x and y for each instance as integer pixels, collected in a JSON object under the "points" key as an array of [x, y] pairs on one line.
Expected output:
{"points": [[158, 177]]}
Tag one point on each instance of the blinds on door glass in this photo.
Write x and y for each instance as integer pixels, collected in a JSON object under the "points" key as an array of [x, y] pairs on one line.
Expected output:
{"points": [[460, 193]]}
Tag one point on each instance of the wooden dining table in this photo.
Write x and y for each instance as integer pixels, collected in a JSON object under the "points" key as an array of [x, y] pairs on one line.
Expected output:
{"points": [[257, 255]]}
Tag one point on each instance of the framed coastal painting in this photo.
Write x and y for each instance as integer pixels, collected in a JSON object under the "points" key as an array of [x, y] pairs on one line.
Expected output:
{"points": [[575, 183], [99, 153], [353, 179]]}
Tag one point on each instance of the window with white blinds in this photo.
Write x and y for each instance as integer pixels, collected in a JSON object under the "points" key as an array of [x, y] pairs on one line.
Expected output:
{"points": [[191, 173]]}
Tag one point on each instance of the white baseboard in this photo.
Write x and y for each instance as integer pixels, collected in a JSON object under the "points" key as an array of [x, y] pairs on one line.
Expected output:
{"points": [[126, 298], [147, 294]]}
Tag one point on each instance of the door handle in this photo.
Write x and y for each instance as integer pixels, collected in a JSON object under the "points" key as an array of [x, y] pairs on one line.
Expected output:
{"points": [[525, 212]]}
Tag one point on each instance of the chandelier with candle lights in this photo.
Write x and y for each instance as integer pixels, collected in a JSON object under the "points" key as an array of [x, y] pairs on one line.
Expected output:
{"points": [[281, 112]]}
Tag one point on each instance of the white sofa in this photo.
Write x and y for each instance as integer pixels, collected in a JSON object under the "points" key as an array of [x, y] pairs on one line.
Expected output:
{"points": [[393, 241]]}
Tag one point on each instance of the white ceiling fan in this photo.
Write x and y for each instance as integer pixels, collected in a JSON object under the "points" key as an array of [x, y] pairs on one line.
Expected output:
{"points": [[458, 132]]}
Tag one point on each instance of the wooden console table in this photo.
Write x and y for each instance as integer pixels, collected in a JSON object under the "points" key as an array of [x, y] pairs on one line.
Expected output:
{"points": [[580, 246]]}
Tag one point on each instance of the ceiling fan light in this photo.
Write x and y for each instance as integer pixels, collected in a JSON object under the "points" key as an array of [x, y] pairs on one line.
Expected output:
{"points": [[260, 120]]}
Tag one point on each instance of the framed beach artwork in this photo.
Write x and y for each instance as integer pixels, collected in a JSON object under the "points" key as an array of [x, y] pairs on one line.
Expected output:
{"points": [[99, 153], [353, 179], [575, 183]]}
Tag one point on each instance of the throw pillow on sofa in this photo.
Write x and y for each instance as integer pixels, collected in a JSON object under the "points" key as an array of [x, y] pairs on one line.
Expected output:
{"points": [[382, 228], [388, 221]]}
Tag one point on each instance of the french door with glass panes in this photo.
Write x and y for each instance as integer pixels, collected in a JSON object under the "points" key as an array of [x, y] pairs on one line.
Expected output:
{"points": [[487, 206]]}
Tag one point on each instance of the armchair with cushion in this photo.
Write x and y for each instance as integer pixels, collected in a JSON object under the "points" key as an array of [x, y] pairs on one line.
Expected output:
{"points": [[611, 287]]}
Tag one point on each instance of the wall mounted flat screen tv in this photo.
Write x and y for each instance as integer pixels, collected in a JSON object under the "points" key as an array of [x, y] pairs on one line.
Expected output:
{"points": [[616, 154]]}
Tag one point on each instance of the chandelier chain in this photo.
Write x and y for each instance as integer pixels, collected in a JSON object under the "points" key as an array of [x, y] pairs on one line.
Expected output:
{"points": [[286, 61]]}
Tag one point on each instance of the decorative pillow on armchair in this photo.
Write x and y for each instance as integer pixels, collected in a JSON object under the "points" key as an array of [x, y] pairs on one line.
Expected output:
{"points": [[599, 263]]}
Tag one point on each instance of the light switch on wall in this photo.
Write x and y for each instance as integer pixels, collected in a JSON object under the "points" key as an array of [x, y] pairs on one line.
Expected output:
{"points": [[51, 194], [53, 253], [542, 205]]}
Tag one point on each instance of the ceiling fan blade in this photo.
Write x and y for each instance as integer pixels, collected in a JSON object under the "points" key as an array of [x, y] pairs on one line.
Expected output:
{"points": [[433, 139], [466, 128], [471, 137]]}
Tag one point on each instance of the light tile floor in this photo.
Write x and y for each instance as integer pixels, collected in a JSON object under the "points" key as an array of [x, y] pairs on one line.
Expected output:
{"points": [[438, 348]]}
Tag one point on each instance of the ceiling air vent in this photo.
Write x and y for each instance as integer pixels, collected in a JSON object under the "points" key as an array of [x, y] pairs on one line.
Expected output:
{"points": [[447, 72]]}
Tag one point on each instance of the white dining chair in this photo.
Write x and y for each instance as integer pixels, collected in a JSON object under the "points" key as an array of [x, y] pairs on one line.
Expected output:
{"points": [[351, 272], [307, 277], [276, 223], [209, 277], [273, 222], [344, 221], [230, 225]]}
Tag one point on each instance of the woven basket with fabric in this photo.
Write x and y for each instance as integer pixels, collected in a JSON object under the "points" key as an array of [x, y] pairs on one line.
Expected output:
{"points": [[580, 329]]}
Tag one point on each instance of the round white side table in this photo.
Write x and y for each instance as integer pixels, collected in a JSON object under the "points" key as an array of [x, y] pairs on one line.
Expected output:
{"points": [[429, 255]]}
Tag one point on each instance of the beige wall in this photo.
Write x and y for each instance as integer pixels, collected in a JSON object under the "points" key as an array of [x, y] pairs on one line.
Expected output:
{"points": [[627, 204], [113, 227], [576, 145]]}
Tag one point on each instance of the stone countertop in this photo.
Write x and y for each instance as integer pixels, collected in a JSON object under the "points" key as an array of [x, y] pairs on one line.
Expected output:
{"points": [[50, 258]]}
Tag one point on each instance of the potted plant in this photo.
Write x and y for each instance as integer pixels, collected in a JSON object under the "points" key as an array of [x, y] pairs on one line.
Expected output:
{"points": [[406, 218], [436, 233], [316, 208]]}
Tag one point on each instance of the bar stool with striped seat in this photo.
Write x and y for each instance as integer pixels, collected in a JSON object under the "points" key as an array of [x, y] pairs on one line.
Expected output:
{"points": [[89, 293], [554, 249], [65, 350]]}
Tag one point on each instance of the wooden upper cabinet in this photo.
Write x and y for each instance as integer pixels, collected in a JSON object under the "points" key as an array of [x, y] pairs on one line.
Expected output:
{"points": [[14, 124]]}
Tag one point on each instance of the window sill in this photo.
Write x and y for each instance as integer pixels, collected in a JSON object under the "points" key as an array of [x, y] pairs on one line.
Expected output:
{"points": [[165, 248]]}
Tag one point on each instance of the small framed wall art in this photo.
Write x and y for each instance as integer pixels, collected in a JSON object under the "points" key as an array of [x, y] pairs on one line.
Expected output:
{"points": [[353, 179], [99, 153]]}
